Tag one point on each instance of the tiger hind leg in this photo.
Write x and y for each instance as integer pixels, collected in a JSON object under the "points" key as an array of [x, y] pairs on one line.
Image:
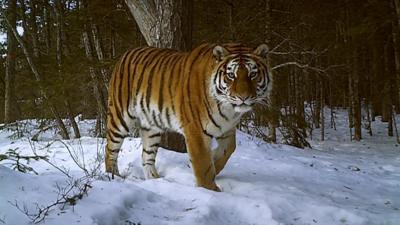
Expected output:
{"points": [[151, 140], [115, 138]]}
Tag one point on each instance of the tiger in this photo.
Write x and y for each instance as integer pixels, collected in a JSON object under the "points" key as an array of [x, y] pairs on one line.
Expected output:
{"points": [[201, 94]]}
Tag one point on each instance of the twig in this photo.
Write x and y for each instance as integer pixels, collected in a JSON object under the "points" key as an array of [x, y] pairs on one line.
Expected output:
{"points": [[48, 160], [65, 197], [75, 158]]}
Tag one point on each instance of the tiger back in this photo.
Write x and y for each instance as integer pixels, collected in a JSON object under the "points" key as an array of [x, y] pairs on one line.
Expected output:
{"points": [[201, 94]]}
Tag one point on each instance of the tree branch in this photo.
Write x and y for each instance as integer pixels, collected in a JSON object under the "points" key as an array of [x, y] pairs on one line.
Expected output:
{"points": [[306, 66]]}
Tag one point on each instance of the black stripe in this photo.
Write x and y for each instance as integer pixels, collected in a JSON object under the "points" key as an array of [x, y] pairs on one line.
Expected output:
{"points": [[151, 160], [116, 135], [212, 119], [136, 57], [113, 124], [155, 145], [188, 87], [143, 109], [183, 64], [118, 97], [206, 133], [114, 150], [223, 137], [130, 116], [160, 59], [149, 152], [118, 69], [208, 106], [118, 101], [167, 117], [220, 111], [201, 125], [113, 140], [147, 164], [154, 135], [139, 84], [155, 120], [145, 128], [128, 57], [180, 65], [161, 94], [122, 121]]}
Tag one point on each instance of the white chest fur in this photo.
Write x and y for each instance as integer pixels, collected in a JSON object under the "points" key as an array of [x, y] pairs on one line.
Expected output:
{"points": [[223, 119]]}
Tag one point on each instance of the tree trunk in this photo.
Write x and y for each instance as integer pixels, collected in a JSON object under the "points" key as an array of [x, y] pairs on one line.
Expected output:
{"points": [[386, 92], [112, 44], [396, 50], [274, 109], [322, 103], [100, 100], [47, 28], [100, 55], [397, 10], [33, 29], [350, 102], [39, 80], [375, 77], [161, 22], [356, 97], [165, 24], [231, 7], [395, 125], [93, 46], [331, 106], [9, 97], [60, 53]]}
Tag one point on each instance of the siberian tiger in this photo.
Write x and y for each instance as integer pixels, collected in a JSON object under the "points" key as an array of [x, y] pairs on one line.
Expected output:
{"points": [[201, 94]]}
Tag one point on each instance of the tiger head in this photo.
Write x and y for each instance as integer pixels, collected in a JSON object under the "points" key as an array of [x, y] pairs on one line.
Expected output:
{"points": [[241, 76]]}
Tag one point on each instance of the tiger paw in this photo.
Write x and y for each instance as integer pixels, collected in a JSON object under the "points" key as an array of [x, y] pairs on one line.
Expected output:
{"points": [[113, 169], [212, 187], [150, 172]]}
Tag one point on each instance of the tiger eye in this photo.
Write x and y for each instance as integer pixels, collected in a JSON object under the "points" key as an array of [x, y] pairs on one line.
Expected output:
{"points": [[230, 75]]}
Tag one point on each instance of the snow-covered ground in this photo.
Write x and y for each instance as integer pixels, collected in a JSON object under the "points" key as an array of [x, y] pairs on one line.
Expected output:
{"points": [[336, 182]]}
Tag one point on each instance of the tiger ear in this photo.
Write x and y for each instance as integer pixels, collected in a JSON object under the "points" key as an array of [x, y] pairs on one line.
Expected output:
{"points": [[262, 51], [220, 52]]}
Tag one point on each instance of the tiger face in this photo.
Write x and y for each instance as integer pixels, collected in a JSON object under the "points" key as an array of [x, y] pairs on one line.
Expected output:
{"points": [[241, 78]]}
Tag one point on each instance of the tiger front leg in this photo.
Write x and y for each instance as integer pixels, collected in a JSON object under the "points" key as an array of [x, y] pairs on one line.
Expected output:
{"points": [[226, 146], [198, 146], [113, 147], [111, 160], [151, 140]]}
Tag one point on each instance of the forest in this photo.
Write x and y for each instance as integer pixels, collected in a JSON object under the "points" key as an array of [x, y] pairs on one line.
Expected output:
{"points": [[323, 55], [336, 96]]}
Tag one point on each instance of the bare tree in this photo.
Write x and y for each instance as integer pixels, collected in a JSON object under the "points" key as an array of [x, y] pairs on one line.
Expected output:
{"points": [[59, 11], [356, 97], [9, 98], [396, 42], [39, 80], [162, 22], [93, 47]]}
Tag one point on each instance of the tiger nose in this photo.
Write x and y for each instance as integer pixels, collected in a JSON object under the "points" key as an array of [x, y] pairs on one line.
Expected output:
{"points": [[246, 95], [243, 98]]}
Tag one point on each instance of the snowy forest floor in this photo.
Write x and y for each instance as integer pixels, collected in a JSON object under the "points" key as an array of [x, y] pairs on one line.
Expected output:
{"points": [[336, 182]]}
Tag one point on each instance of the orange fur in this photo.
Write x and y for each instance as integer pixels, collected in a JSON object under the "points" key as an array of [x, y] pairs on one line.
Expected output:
{"points": [[162, 89]]}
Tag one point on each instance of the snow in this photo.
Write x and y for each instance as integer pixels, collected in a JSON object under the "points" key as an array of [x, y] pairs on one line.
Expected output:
{"points": [[337, 182]]}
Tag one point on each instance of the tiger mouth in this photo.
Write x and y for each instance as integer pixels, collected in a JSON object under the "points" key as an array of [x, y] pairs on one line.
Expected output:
{"points": [[242, 107]]}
